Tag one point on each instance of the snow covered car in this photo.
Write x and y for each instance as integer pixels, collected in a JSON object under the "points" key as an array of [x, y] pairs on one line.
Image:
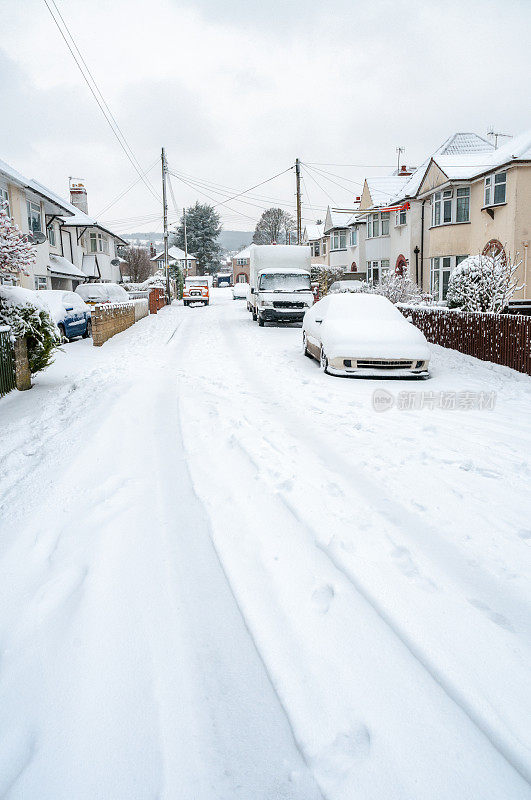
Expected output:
{"points": [[345, 286], [240, 291], [364, 335], [93, 293], [70, 313]]}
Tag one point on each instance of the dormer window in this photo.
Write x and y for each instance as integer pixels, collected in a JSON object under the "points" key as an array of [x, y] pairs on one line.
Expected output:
{"points": [[496, 189]]}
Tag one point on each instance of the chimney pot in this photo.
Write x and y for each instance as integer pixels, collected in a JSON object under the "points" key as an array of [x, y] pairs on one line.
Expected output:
{"points": [[78, 196]]}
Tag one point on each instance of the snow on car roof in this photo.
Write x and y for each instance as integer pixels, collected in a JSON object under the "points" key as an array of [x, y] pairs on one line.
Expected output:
{"points": [[359, 304], [283, 271]]}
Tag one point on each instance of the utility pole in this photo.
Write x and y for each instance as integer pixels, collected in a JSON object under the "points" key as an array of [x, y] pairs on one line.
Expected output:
{"points": [[165, 221], [298, 179], [185, 243]]}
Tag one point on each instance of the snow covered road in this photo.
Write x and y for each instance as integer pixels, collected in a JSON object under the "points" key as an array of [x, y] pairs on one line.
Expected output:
{"points": [[224, 575]]}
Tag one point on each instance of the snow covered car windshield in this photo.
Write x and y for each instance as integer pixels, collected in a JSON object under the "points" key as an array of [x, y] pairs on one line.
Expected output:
{"points": [[284, 282]]}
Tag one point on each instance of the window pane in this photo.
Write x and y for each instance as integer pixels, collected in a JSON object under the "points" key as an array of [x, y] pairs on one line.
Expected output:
{"points": [[376, 226], [501, 177], [385, 223], [445, 279], [463, 209], [447, 213], [446, 262], [4, 201], [499, 188], [435, 284], [437, 214], [342, 240], [385, 264]]}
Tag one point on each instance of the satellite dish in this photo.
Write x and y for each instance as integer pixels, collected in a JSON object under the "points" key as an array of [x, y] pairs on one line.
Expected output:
{"points": [[115, 262], [37, 237]]}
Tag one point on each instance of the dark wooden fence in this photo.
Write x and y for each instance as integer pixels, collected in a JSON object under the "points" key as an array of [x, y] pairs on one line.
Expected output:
{"points": [[7, 362], [500, 338]]}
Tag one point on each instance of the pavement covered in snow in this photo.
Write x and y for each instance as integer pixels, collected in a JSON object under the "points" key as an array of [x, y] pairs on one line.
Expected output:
{"points": [[224, 575]]}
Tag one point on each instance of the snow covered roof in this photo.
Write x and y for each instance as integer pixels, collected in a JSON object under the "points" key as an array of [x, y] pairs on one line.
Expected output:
{"points": [[245, 253], [174, 253], [337, 218], [14, 176], [62, 266], [313, 232], [383, 188], [470, 165], [467, 145], [282, 271], [81, 220]]}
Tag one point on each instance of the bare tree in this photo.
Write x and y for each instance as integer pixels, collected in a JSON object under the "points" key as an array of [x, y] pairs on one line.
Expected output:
{"points": [[274, 226], [138, 265]]}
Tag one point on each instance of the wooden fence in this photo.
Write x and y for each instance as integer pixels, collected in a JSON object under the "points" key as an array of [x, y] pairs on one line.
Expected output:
{"points": [[7, 361], [500, 338]]}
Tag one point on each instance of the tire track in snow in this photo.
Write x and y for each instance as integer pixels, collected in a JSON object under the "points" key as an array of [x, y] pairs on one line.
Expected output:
{"points": [[512, 751]]}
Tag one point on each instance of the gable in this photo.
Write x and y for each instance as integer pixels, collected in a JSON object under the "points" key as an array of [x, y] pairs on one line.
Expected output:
{"points": [[366, 199], [433, 178]]}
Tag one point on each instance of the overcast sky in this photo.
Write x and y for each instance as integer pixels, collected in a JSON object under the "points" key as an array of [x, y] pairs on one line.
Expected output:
{"points": [[236, 90]]}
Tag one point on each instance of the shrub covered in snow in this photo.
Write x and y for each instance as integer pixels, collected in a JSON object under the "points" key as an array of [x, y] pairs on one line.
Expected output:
{"points": [[325, 276], [16, 254], [398, 288], [29, 318], [482, 283]]}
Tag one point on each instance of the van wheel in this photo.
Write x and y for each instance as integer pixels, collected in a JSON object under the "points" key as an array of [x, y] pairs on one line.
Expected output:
{"points": [[88, 330], [261, 320], [324, 362], [254, 315]]}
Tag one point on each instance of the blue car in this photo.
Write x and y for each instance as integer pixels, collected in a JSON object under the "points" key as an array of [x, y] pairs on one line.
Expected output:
{"points": [[70, 312]]}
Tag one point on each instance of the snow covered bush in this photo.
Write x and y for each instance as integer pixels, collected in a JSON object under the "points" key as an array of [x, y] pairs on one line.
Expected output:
{"points": [[16, 254], [28, 318], [325, 276], [482, 283], [398, 288]]}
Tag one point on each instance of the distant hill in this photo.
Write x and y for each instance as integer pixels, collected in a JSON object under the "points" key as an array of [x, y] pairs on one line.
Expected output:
{"points": [[229, 240]]}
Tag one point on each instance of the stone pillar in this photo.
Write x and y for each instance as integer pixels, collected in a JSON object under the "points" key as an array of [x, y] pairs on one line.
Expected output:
{"points": [[22, 368]]}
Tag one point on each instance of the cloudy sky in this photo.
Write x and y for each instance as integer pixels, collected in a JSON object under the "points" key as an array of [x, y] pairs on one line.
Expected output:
{"points": [[236, 89]]}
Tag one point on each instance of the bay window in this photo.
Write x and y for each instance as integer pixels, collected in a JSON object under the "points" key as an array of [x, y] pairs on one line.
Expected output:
{"points": [[378, 224], [385, 223], [98, 243], [34, 216], [448, 209], [496, 189], [339, 240]]}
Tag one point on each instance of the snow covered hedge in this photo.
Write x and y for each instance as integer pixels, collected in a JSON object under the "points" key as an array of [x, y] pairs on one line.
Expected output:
{"points": [[28, 317], [482, 283]]}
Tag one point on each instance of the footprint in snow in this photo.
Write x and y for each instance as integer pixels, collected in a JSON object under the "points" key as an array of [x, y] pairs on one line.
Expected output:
{"points": [[323, 597], [348, 749], [498, 619]]}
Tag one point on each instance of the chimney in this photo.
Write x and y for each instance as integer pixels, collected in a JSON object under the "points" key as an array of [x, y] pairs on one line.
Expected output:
{"points": [[405, 171], [78, 195]]}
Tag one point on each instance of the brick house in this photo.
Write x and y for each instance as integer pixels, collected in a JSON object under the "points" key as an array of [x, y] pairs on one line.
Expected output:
{"points": [[241, 266]]}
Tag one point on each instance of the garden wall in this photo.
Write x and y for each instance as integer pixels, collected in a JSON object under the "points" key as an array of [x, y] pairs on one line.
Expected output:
{"points": [[500, 338], [109, 319]]}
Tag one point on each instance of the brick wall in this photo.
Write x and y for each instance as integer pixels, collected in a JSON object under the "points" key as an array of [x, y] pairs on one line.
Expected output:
{"points": [[157, 300], [109, 319]]}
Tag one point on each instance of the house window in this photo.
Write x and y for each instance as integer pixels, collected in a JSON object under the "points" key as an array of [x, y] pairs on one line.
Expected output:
{"points": [[353, 239], [316, 249], [441, 268], [4, 200], [99, 243], [34, 216], [339, 240], [40, 282], [496, 189], [463, 204], [400, 217], [377, 222], [375, 269], [324, 248], [447, 209], [51, 235], [385, 223]]}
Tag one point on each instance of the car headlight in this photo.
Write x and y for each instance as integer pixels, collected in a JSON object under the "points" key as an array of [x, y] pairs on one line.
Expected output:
{"points": [[266, 303]]}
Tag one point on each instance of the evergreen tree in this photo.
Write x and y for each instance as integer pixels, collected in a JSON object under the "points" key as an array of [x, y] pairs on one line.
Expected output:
{"points": [[16, 254], [203, 227]]}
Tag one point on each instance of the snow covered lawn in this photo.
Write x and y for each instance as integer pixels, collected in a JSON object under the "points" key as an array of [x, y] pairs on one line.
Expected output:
{"points": [[224, 575]]}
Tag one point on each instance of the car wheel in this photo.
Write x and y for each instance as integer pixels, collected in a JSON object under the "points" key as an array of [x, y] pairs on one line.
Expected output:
{"points": [[324, 362], [305, 347], [88, 329], [62, 332]]}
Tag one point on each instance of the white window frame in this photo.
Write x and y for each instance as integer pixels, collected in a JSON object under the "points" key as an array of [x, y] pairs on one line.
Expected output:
{"points": [[4, 199], [40, 282], [491, 184], [377, 266], [377, 223], [101, 243], [339, 240], [52, 239], [441, 266], [400, 217], [34, 208], [444, 206], [353, 237]]}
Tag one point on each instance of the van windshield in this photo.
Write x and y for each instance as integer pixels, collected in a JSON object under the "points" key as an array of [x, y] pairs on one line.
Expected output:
{"points": [[284, 282]]}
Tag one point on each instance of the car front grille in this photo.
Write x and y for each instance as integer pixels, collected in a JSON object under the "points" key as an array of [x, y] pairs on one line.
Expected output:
{"points": [[381, 363], [286, 304]]}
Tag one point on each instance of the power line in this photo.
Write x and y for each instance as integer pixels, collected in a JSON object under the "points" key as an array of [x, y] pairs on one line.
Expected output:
{"points": [[122, 194], [235, 211], [95, 91], [319, 185], [325, 176]]}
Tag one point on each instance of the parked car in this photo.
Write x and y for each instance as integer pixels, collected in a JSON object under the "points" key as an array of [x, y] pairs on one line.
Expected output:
{"points": [[345, 286], [240, 291], [364, 335], [70, 312], [93, 293]]}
